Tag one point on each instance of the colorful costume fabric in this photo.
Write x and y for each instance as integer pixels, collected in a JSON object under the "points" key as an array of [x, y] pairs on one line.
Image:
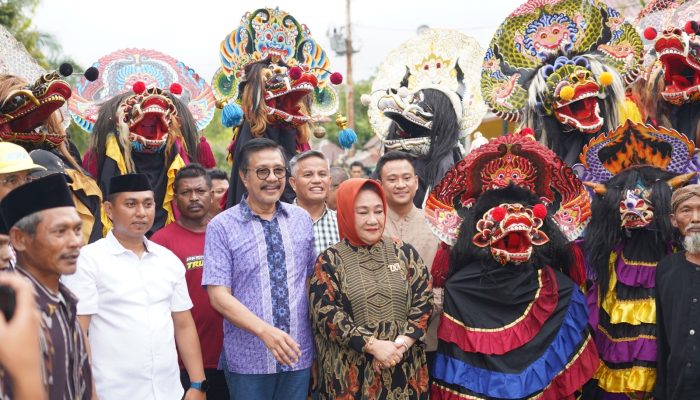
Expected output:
{"points": [[275, 77], [33, 115], [426, 98], [634, 170], [670, 91], [514, 325], [560, 67], [140, 126]]}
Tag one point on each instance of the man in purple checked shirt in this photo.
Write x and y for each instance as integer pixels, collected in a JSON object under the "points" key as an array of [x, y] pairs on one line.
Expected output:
{"points": [[258, 256]]}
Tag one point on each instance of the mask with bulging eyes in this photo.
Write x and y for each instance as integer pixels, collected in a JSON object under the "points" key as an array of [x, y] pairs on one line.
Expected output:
{"points": [[636, 211], [510, 231]]}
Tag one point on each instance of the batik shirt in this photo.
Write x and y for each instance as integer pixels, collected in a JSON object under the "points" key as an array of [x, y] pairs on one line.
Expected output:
{"points": [[65, 365], [266, 264]]}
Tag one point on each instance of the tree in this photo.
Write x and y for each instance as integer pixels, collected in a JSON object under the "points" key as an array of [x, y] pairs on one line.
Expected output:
{"points": [[361, 124]]}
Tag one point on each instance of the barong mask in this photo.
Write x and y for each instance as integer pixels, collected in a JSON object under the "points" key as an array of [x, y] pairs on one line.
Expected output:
{"points": [[148, 115], [426, 94], [636, 210], [671, 35], [510, 231], [572, 94], [515, 159], [26, 108], [272, 68]]}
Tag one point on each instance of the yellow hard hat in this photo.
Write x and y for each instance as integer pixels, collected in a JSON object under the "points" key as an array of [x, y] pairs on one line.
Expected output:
{"points": [[14, 158]]}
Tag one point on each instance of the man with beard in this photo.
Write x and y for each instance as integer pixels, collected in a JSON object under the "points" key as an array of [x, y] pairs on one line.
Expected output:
{"points": [[678, 304], [258, 257], [311, 181], [185, 238]]}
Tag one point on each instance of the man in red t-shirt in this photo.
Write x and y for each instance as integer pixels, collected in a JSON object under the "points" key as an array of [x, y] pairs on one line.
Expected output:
{"points": [[185, 238]]}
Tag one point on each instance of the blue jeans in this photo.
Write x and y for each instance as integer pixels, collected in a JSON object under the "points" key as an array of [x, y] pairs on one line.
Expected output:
{"points": [[292, 385]]}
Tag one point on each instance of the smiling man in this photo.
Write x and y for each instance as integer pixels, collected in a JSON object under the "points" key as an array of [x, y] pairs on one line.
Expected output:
{"points": [[134, 305], [258, 257], [311, 181], [45, 230], [405, 221]]}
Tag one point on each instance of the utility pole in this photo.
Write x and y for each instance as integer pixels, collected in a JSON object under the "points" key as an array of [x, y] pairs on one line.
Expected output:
{"points": [[348, 78]]}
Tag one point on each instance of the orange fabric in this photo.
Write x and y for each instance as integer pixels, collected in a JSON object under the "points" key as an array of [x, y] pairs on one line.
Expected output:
{"points": [[346, 196]]}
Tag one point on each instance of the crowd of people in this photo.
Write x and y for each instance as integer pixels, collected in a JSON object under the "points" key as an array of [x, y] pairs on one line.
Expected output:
{"points": [[263, 300]]}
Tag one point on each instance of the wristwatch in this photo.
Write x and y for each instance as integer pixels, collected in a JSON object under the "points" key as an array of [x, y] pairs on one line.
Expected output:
{"points": [[202, 386]]}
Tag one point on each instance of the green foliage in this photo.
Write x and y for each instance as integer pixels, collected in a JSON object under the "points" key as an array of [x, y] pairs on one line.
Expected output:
{"points": [[361, 123], [219, 138]]}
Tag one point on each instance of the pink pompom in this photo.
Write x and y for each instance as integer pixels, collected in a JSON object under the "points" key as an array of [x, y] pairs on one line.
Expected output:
{"points": [[176, 88], [138, 87], [336, 78], [498, 213], [295, 73], [540, 211]]}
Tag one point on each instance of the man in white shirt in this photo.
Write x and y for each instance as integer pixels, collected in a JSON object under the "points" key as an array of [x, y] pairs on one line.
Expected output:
{"points": [[134, 305]]}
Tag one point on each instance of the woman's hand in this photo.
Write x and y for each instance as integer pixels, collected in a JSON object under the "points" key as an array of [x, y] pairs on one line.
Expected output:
{"points": [[386, 352]]}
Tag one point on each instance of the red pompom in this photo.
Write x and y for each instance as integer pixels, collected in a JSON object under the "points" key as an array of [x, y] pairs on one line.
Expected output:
{"points": [[176, 88], [336, 78], [295, 73], [138, 87], [498, 213], [527, 132], [540, 211], [650, 33], [691, 27]]}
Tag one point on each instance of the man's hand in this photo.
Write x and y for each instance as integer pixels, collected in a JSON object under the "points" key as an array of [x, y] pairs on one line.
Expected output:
{"points": [[194, 394], [285, 350], [20, 353]]}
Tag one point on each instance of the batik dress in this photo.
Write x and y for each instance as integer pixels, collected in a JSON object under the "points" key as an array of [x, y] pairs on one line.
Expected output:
{"points": [[383, 290]]}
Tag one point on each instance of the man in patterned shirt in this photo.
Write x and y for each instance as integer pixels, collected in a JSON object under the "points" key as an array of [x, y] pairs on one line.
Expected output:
{"points": [[258, 257], [311, 181], [46, 233]]}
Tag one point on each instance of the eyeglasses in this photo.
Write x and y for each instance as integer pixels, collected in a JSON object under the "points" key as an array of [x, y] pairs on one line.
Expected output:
{"points": [[263, 173], [15, 180]]}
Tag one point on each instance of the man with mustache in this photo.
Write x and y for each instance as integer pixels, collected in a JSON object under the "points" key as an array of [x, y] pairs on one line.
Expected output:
{"points": [[678, 304], [134, 306], [185, 238], [46, 233], [311, 181], [258, 257]]}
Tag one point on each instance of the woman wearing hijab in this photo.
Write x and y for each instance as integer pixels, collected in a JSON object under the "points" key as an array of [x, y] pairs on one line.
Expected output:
{"points": [[370, 304]]}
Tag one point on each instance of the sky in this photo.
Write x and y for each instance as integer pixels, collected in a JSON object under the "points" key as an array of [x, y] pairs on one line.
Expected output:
{"points": [[191, 31]]}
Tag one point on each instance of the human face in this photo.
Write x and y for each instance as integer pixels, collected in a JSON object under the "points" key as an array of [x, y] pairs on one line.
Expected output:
{"points": [[369, 216], [193, 198], [12, 180], [53, 250], [5, 252], [400, 183], [218, 190], [263, 192], [311, 180], [132, 214], [686, 217], [357, 172]]}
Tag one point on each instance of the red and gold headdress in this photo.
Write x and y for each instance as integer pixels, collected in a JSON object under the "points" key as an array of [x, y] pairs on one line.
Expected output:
{"points": [[512, 159]]}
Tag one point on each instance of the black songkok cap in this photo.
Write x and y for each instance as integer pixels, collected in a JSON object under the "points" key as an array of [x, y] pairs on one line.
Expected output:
{"points": [[129, 183], [41, 194], [3, 228]]}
